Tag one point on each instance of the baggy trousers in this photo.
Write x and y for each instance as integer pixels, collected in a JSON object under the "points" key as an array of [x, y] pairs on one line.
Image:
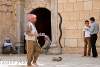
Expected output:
{"points": [[33, 51]]}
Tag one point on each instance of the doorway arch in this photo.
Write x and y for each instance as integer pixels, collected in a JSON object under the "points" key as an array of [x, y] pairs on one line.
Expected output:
{"points": [[43, 24]]}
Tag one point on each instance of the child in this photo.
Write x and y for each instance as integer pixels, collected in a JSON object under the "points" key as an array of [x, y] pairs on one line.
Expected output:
{"points": [[87, 39]]}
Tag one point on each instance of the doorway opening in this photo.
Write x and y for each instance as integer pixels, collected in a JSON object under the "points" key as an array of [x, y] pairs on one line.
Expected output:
{"points": [[43, 24]]}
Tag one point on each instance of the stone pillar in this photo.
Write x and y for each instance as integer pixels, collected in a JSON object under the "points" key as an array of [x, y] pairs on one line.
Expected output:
{"points": [[55, 48], [20, 17]]}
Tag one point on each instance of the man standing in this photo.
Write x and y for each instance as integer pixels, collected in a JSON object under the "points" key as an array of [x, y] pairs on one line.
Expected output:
{"points": [[94, 29], [33, 49]]}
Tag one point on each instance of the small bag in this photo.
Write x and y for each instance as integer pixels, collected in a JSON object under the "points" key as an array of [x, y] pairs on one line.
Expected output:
{"points": [[27, 37]]}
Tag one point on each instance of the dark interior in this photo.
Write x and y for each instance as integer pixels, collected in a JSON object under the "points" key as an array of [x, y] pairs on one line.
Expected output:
{"points": [[43, 24]]}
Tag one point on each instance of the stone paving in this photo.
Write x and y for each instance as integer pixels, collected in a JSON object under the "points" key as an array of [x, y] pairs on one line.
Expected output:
{"points": [[69, 60]]}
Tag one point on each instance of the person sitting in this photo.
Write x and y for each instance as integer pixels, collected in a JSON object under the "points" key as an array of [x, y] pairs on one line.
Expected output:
{"points": [[7, 46]]}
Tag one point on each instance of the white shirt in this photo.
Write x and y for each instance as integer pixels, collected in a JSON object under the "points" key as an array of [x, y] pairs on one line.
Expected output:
{"points": [[7, 44], [87, 31], [27, 37]]}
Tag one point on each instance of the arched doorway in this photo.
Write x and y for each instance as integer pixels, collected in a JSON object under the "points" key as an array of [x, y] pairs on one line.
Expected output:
{"points": [[43, 24]]}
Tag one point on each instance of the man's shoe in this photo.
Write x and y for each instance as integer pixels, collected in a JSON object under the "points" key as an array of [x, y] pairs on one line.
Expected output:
{"points": [[95, 56]]}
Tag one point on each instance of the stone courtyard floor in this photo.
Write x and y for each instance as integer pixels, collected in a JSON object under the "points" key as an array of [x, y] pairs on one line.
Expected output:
{"points": [[69, 60]]}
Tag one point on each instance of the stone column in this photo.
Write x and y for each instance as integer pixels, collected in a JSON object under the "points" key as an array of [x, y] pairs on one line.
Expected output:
{"points": [[55, 48], [20, 18]]}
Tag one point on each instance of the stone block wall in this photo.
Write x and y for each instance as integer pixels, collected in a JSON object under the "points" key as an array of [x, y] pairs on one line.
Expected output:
{"points": [[8, 25], [74, 12], [33, 4]]}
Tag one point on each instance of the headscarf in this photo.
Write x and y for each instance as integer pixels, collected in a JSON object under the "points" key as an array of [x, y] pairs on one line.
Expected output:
{"points": [[31, 17]]}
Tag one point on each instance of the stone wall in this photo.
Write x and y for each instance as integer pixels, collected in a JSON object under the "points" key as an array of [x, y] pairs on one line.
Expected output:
{"points": [[7, 20], [74, 13], [33, 4]]}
